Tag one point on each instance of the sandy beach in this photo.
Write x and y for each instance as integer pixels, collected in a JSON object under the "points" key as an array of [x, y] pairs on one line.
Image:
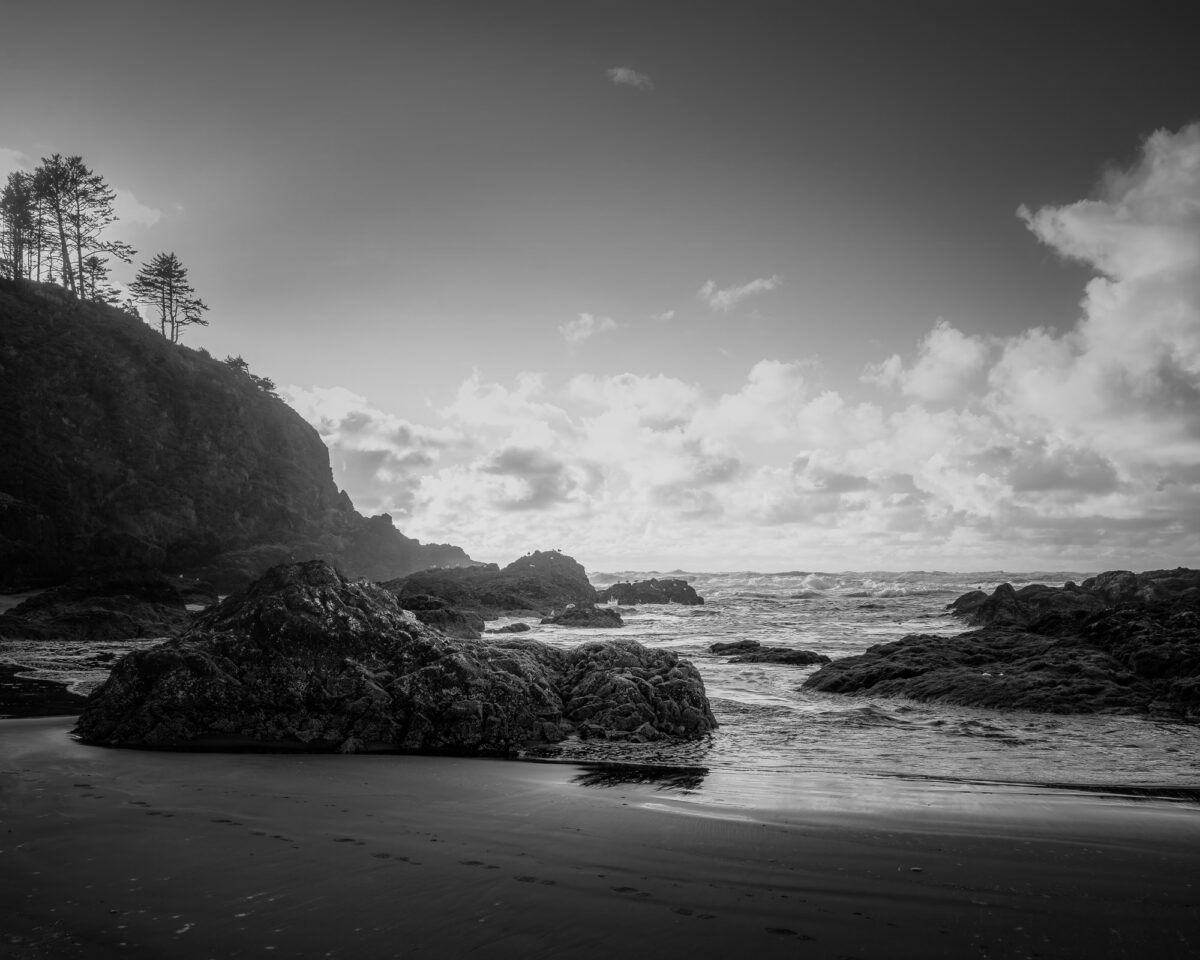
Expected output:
{"points": [[115, 853]]}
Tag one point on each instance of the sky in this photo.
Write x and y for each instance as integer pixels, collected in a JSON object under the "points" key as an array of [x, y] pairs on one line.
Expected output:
{"points": [[709, 286]]}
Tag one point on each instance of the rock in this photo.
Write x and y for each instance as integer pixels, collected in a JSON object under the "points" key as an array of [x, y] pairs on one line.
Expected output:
{"points": [[307, 660], [751, 651], [1138, 653], [671, 590], [539, 583], [795, 658], [735, 646], [137, 452], [102, 607], [435, 612], [587, 616], [509, 628]]}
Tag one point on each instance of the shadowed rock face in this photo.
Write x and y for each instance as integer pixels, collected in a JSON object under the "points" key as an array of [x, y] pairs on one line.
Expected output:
{"points": [[1117, 643], [588, 616], [307, 660], [672, 590], [122, 450], [541, 582]]}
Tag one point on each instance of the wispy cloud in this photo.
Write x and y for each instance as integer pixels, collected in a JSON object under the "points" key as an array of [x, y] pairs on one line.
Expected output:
{"points": [[628, 77], [663, 317], [584, 327], [130, 209], [11, 161], [728, 297]]}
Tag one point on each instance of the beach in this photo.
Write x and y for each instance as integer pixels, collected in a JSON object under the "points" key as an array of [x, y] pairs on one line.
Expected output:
{"points": [[122, 853]]}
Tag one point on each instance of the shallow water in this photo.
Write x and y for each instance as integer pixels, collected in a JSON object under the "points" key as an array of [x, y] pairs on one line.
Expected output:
{"points": [[769, 725]]}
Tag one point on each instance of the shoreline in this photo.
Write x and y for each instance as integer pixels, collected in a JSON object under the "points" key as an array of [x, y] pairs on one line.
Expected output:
{"points": [[121, 853]]}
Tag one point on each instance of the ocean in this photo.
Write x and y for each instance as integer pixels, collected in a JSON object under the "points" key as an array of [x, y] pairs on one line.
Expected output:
{"points": [[770, 727]]}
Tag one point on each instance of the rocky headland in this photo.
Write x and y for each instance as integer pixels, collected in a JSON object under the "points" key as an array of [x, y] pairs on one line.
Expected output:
{"points": [[123, 450], [306, 659], [669, 590], [1120, 643]]}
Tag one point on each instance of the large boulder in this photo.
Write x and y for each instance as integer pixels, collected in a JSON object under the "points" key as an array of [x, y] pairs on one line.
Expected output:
{"points": [[308, 660], [1137, 653], [539, 582], [669, 590]]}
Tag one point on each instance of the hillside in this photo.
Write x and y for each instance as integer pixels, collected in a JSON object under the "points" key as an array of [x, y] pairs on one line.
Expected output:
{"points": [[119, 449]]}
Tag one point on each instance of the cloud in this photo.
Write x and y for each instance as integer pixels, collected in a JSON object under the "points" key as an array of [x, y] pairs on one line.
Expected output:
{"points": [[948, 364], [11, 161], [727, 298], [131, 210], [584, 327], [663, 317], [628, 77], [1076, 448], [378, 458]]}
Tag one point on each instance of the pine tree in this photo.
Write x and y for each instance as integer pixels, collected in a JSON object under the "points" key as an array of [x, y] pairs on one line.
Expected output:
{"points": [[163, 285], [18, 224]]}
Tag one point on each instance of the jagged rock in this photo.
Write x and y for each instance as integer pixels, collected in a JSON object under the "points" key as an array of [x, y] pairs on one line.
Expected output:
{"points": [[540, 583], [308, 660], [102, 607], [586, 616], [137, 452], [509, 628], [672, 590], [1139, 653]]}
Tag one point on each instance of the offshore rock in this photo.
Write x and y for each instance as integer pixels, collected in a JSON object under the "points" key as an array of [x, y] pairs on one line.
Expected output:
{"points": [[1139, 653], [540, 583], [308, 660], [671, 590], [751, 651], [435, 612], [586, 616]]}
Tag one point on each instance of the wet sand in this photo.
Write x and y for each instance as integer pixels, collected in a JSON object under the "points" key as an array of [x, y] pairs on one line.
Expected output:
{"points": [[116, 853]]}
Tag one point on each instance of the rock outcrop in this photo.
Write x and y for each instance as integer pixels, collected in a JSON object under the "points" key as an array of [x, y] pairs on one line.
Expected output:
{"points": [[1137, 652], [671, 590], [435, 612], [540, 583], [123, 450], [751, 651], [103, 607], [586, 616], [308, 660]]}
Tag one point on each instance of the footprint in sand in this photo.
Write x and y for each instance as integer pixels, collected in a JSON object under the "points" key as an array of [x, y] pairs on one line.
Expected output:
{"points": [[786, 932], [639, 894], [381, 856], [545, 883]]}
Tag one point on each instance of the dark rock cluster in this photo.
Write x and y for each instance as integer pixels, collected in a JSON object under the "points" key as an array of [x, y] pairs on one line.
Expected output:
{"points": [[670, 590], [586, 616], [308, 660], [1116, 643], [540, 582]]}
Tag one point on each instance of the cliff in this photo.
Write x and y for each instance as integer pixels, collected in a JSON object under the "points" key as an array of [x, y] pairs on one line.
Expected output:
{"points": [[119, 449]]}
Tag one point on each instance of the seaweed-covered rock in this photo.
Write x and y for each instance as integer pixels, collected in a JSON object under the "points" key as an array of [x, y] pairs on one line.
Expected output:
{"points": [[586, 616], [509, 628], [669, 590], [435, 612], [751, 651], [307, 660]]}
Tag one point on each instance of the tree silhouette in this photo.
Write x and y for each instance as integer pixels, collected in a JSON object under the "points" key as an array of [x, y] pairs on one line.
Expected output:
{"points": [[163, 285], [18, 224]]}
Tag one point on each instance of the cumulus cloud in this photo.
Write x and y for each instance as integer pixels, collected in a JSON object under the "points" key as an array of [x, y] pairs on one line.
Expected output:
{"points": [[948, 364], [628, 77], [726, 298], [584, 327], [1073, 449], [12, 161], [131, 210], [378, 458]]}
